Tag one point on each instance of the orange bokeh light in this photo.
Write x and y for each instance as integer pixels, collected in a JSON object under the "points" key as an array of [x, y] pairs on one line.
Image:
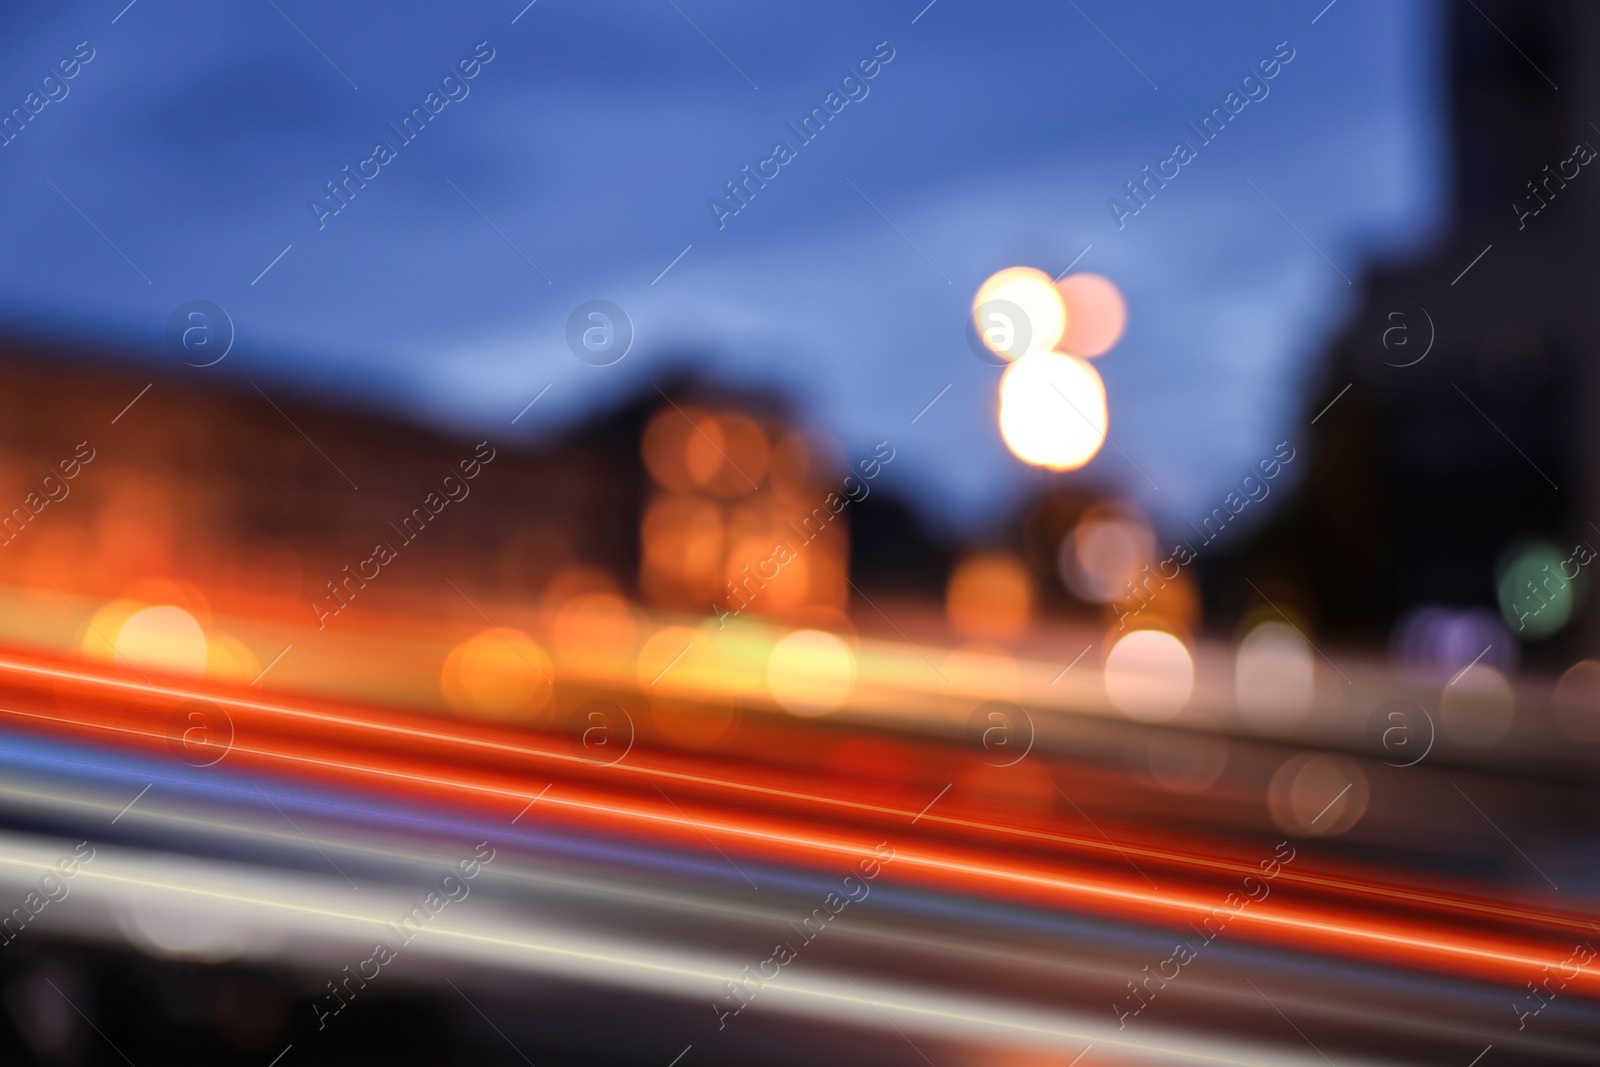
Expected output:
{"points": [[499, 674], [989, 596], [595, 632], [726, 455], [664, 447], [683, 549]]}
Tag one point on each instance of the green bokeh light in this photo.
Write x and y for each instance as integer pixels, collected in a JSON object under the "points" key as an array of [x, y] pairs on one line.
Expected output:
{"points": [[1538, 588]]}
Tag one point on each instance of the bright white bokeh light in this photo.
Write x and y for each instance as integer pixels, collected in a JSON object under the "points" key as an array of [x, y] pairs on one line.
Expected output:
{"points": [[1019, 311], [1274, 676], [1149, 675], [164, 638], [811, 672], [203, 931], [1053, 410]]}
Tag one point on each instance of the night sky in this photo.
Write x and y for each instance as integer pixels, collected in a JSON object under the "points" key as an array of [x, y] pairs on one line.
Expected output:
{"points": [[580, 159]]}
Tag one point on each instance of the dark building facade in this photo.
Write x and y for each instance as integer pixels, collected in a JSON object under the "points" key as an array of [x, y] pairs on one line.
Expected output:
{"points": [[1455, 415]]}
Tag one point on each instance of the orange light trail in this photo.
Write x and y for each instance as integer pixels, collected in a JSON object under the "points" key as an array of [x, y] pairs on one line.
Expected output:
{"points": [[487, 768]]}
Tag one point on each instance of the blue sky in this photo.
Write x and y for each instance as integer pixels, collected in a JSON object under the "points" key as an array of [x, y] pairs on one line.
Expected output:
{"points": [[196, 137]]}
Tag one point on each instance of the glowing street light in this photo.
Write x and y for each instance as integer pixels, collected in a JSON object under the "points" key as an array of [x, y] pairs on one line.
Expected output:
{"points": [[1053, 410], [1052, 402], [1019, 311]]}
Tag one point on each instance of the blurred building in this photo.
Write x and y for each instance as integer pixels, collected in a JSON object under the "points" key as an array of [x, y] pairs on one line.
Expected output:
{"points": [[745, 515], [1465, 440], [279, 504]]}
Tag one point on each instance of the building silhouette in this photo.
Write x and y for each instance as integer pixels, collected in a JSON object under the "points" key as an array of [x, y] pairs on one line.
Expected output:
{"points": [[277, 503], [1460, 395]]}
